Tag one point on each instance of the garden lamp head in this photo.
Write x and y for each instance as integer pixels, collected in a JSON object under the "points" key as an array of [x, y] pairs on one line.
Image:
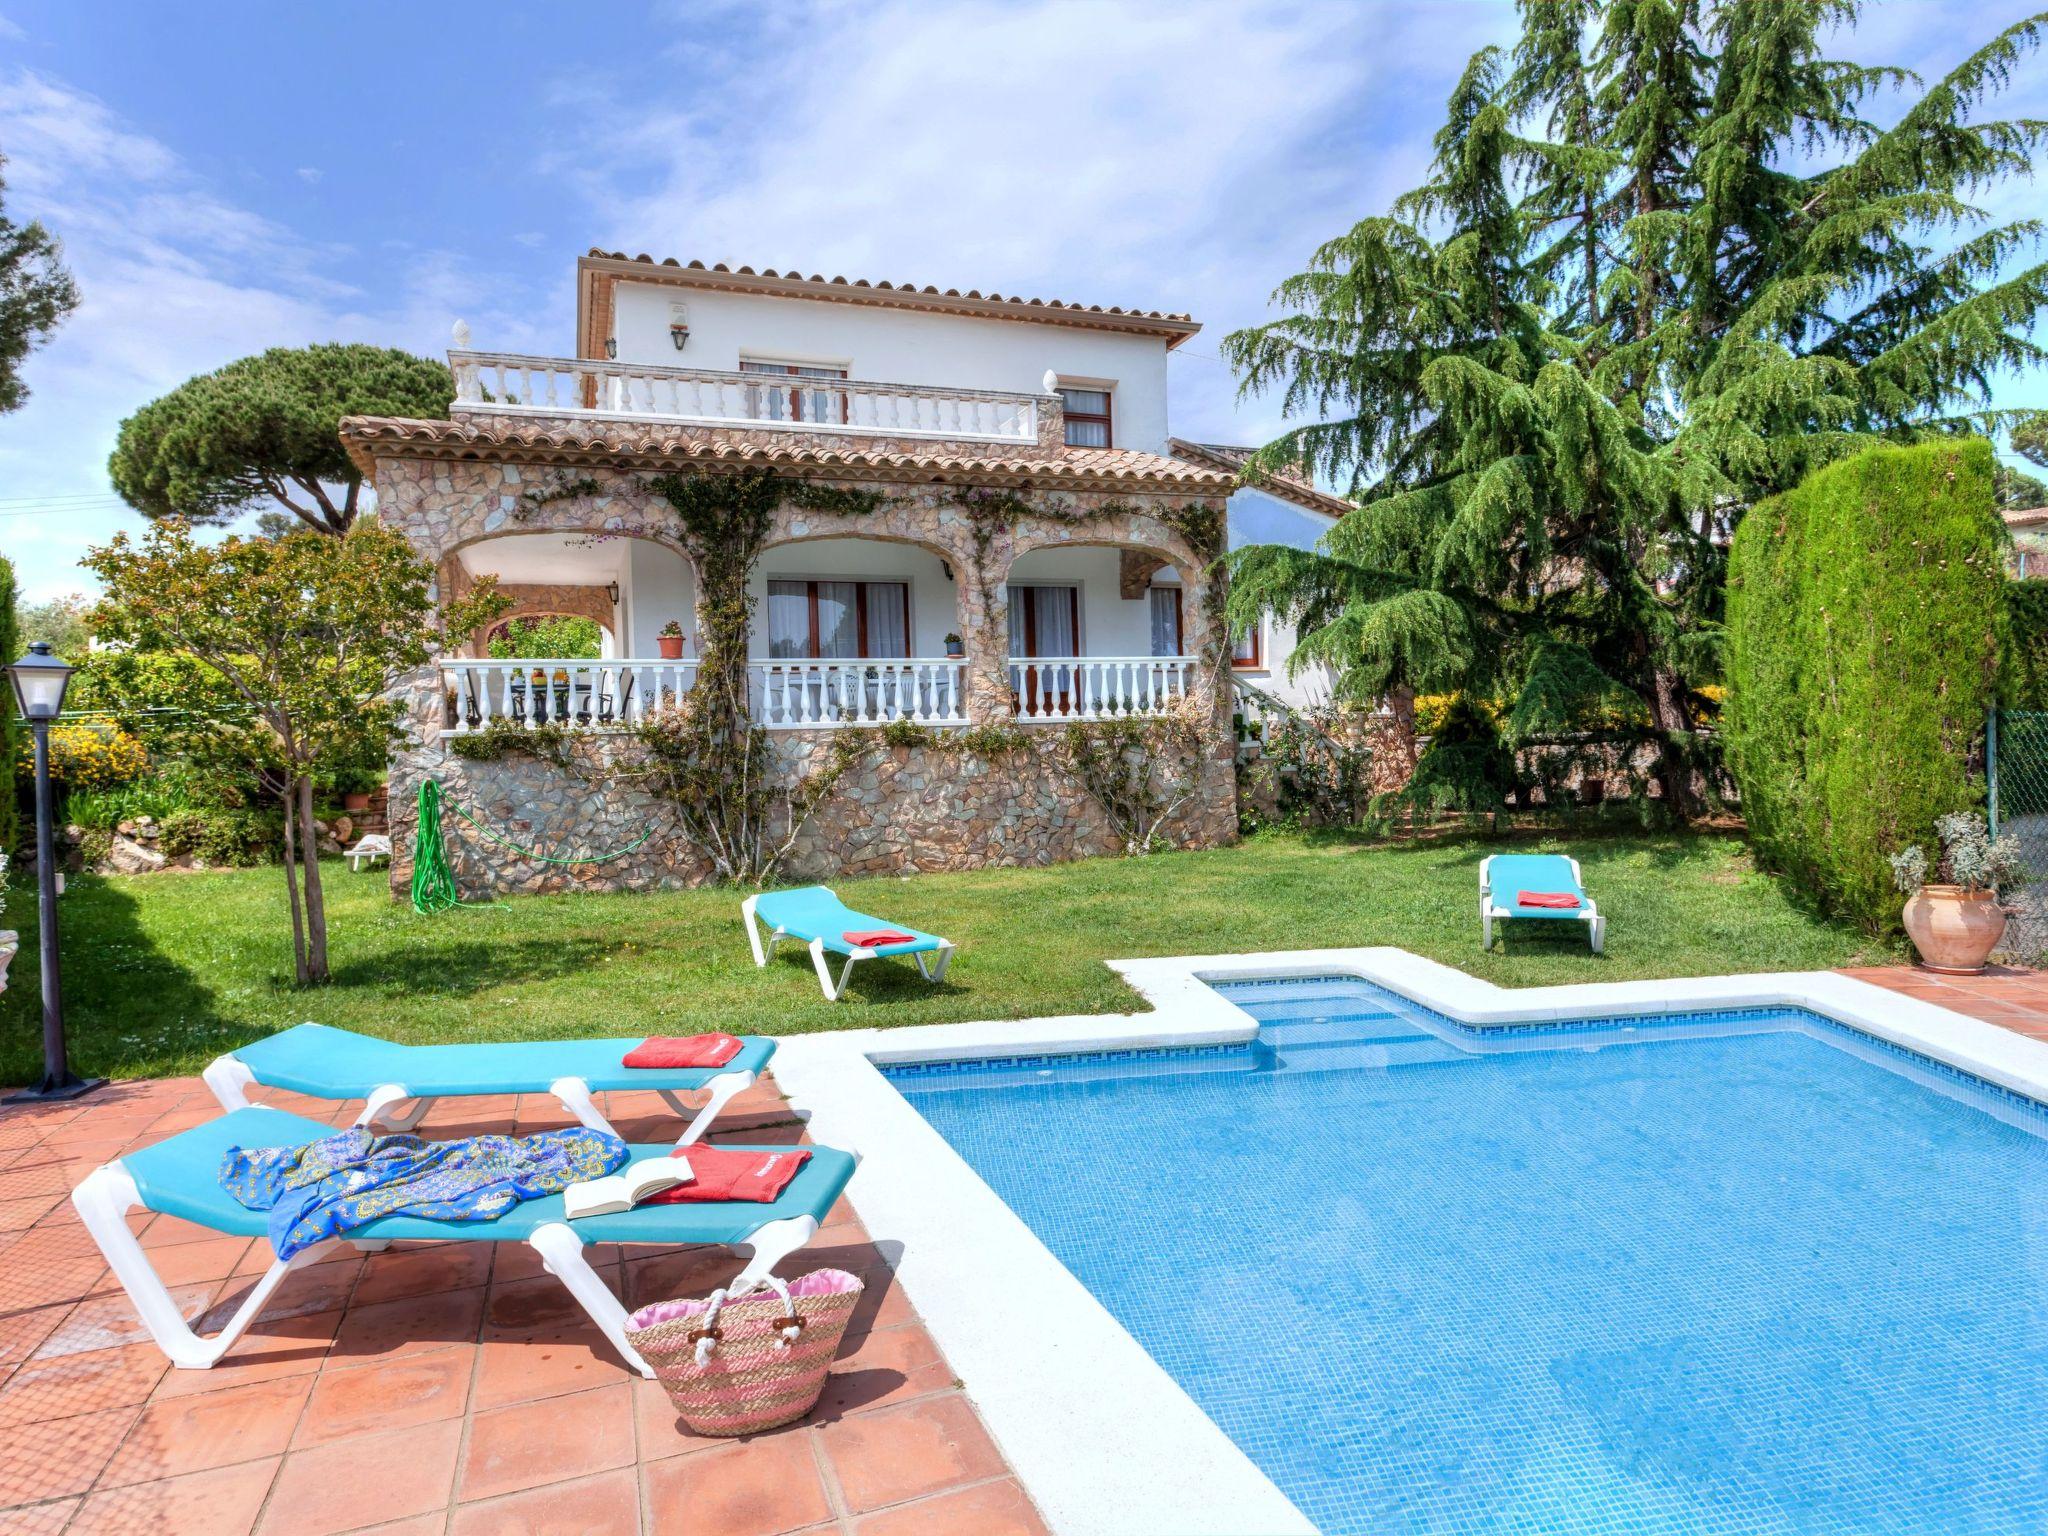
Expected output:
{"points": [[39, 680]]}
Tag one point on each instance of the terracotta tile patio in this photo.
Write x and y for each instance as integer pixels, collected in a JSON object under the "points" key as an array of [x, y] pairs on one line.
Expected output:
{"points": [[445, 1387], [2005, 995]]}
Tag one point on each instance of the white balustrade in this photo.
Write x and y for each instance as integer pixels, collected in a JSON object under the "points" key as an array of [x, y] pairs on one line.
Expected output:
{"points": [[796, 694], [505, 382], [616, 695], [577, 695], [1098, 687]]}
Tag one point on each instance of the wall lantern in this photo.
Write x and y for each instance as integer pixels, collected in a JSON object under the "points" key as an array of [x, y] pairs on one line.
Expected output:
{"points": [[679, 325], [612, 591], [611, 348]]}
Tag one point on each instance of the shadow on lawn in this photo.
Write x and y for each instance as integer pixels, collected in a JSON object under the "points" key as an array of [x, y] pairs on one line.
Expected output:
{"points": [[130, 1006], [469, 966]]}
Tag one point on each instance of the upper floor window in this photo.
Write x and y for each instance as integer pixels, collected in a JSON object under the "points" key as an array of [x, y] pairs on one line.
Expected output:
{"points": [[795, 402], [1087, 412]]}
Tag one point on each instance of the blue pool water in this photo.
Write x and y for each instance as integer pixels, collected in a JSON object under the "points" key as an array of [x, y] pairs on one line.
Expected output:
{"points": [[1739, 1273]]}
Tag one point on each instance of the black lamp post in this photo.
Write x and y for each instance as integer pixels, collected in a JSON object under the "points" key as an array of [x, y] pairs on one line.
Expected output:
{"points": [[39, 681]]}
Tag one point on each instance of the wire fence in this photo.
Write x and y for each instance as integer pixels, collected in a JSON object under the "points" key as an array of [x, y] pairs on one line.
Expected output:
{"points": [[2016, 765]]}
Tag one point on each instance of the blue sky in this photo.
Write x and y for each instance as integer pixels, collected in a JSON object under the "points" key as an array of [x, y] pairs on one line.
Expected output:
{"points": [[237, 176]]}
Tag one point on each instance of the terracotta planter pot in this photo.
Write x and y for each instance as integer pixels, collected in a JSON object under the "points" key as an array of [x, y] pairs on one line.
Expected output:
{"points": [[356, 802], [671, 646], [1954, 928]]}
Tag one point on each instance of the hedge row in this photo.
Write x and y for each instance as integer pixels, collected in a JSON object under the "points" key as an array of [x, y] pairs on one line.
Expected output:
{"points": [[1864, 611]]}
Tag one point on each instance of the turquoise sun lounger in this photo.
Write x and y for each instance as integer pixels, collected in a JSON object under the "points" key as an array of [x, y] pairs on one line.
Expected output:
{"points": [[181, 1177], [329, 1063], [820, 921], [1504, 877]]}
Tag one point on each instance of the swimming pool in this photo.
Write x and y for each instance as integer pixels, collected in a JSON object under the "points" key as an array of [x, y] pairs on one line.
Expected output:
{"points": [[1728, 1272]]}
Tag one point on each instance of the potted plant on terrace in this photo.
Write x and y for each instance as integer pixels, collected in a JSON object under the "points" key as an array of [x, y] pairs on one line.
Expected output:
{"points": [[1954, 920], [954, 650], [670, 638]]}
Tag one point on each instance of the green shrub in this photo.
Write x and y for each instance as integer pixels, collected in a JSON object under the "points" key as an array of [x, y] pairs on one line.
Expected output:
{"points": [[222, 835], [1864, 610]]}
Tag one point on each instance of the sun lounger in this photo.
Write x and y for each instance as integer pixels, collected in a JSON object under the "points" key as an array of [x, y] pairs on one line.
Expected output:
{"points": [[181, 1177], [330, 1063], [372, 847], [816, 918], [1505, 878]]}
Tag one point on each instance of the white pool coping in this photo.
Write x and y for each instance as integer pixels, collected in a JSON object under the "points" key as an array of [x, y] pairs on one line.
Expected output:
{"points": [[1105, 1441]]}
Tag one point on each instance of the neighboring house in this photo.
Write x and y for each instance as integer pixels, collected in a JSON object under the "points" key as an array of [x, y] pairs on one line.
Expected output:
{"points": [[1279, 509], [1031, 503], [2029, 530]]}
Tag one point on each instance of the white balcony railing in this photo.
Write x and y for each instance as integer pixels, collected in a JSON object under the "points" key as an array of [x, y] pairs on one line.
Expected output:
{"points": [[815, 693], [587, 695], [1097, 687], [505, 382], [615, 695]]}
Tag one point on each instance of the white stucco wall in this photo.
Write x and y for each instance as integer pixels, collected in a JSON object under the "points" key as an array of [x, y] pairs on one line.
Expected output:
{"points": [[658, 585], [899, 346]]}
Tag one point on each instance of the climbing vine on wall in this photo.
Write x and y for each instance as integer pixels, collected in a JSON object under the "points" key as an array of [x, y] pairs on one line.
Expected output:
{"points": [[1142, 773]]}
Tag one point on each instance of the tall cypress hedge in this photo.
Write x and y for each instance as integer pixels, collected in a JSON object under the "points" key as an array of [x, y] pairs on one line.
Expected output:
{"points": [[10, 648], [1864, 613]]}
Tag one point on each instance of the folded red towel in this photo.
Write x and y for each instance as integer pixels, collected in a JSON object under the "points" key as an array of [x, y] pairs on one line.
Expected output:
{"points": [[733, 1173], [1563, 901], [868, 938], [683, 1053]]}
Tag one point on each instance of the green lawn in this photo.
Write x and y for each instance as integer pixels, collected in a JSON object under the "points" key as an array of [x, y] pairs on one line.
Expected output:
{"points": [[163, 972]]}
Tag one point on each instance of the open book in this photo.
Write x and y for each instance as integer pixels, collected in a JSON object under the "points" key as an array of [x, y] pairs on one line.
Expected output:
{"points": [[625, 1189]]}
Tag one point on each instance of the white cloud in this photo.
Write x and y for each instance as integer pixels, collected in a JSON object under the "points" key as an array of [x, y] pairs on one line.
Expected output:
{"points": [[175, 280], [309, 174]]}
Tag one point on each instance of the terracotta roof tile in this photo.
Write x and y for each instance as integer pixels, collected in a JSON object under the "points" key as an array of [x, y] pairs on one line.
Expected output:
{"points": [[650, 444], [861, 290], [1231, 459]]}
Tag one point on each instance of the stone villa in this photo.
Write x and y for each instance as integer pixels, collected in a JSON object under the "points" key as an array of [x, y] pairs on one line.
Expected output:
{"points": [[986, 525]]}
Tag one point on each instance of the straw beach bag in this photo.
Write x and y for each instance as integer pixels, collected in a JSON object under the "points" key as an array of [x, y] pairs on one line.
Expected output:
{"points": [[734, 1365]]}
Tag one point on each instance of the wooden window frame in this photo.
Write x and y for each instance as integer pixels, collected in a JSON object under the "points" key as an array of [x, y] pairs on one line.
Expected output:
{"points": [[860, 585], [1106, 416], [1073, 591], [1256, 662], [1180, 616]]}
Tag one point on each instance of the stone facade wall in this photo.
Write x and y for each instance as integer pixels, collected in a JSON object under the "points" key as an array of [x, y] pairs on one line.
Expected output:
{"points": [[902, 809]]}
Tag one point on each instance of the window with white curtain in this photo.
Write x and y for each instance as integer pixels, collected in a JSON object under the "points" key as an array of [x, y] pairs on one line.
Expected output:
{"points": [[1045, 621], [793, 402], [1087, 415], [1165, 621], [823, 620]]}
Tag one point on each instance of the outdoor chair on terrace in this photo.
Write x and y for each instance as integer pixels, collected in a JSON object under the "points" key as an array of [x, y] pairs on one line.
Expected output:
{"points": [[820, 921], [1509, 881]]}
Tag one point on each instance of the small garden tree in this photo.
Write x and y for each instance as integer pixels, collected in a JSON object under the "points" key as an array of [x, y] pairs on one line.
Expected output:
{"points": [[264, 429], [308, 634]]}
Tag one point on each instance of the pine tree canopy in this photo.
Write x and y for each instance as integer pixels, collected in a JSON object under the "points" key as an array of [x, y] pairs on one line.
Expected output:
{"points": [[1662, 266]]}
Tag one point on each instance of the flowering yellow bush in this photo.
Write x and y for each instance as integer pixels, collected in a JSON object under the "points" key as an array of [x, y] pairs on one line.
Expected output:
{"points": [[88, 756], [1430, 709]]}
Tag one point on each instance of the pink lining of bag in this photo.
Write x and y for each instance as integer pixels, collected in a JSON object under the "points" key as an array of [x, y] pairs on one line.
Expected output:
{"points": [[819, 1282]]}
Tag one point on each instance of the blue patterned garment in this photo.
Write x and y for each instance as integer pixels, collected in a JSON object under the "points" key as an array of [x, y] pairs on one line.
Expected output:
{"points": [[322, 1189]]}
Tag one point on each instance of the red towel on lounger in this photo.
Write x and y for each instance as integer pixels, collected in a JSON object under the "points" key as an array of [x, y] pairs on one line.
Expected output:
{"points": [[868, 938], [733, 1173], [683, 1053], [1563, 901]]}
